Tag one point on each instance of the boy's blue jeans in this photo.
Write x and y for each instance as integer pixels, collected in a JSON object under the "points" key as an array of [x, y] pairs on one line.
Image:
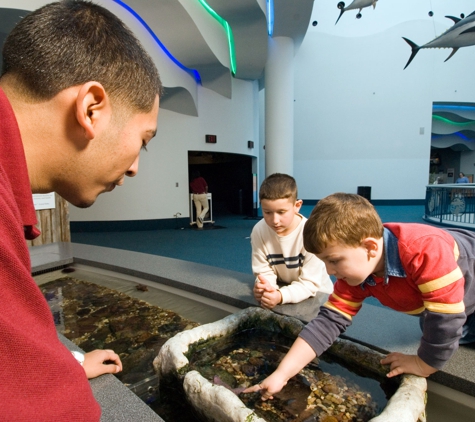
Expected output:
{"points": [[468, 329]]}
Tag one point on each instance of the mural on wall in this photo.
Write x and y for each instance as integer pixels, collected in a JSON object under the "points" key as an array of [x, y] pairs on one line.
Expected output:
{"points": [[453, 126], [356, 4], [461, 34]]}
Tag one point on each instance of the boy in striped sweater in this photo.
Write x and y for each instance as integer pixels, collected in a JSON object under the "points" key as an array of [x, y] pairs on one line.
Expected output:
{"points": [[285, 272]]}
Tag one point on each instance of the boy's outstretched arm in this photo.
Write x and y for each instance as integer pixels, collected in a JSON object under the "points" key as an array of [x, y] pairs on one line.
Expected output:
{"points": [[299, 355], [407, 364], [99, 362]]}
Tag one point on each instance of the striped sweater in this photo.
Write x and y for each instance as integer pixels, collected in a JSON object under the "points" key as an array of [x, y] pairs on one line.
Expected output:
{"points": [[284, 259]]}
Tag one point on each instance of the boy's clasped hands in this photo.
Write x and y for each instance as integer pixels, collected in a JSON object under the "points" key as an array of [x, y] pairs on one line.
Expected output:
{"points": [[266, 294]]}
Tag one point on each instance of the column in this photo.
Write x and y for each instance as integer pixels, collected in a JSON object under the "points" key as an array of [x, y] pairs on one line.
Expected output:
{"points": [[279, 106]]}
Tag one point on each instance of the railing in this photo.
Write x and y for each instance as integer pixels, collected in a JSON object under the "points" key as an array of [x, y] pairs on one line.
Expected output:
{"points": [[452, 205]]}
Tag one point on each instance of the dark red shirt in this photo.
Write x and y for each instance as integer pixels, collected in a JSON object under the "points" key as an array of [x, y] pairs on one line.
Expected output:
{"points": [[199, 185], [40, 379]]}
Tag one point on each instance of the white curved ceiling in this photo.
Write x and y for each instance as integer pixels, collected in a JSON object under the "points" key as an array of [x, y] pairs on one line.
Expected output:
{"points": [[199, 41]]}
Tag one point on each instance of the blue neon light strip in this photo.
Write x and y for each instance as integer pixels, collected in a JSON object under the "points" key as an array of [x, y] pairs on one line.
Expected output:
{"points": [[270, 17], [192, 72], [460, 135], [454, 107]]}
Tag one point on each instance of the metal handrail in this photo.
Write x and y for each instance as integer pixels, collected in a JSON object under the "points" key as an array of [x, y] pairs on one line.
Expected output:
{"points": [[451, 205]]}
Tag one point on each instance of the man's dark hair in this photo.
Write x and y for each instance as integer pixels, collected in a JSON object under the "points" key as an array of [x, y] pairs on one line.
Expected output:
{"points": [[71, 42]]}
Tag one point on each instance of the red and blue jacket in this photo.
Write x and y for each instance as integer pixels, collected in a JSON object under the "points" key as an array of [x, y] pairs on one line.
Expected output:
{"points": [[427, 270]]}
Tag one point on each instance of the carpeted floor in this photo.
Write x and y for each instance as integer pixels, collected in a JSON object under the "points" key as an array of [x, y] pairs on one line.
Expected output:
{"points": [[229, 247]]}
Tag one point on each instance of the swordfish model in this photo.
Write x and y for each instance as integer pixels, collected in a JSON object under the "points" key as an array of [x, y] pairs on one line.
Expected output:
{"points": [[461, 34], [356, 4]]}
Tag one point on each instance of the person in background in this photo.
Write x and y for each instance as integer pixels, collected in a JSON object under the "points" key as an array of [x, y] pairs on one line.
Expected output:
{"points": [[412, 268], [78, 101], [462, 178], [278, 254], [199, 188]]}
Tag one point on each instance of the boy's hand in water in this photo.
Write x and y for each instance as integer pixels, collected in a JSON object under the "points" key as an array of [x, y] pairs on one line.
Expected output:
{"points": [[273, 384]]}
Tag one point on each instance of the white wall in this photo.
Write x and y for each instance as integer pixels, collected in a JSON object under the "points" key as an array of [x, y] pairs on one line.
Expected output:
{"points": [[467, 162], [153, 194], [358, 114]]}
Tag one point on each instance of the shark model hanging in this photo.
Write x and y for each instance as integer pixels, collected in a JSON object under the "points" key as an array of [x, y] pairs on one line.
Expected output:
{"points": [[461, 34], [356, 4]]}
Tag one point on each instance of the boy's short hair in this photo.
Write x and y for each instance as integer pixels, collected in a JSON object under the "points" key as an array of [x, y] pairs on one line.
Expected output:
{"points": [[71, 42], [278, 186], [343, 218]]}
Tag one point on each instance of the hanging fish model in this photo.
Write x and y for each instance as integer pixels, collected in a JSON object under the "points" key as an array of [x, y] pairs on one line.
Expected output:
{"points": [[461, 34], [356, 4]]}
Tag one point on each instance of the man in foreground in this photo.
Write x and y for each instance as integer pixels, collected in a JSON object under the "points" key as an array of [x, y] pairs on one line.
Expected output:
{"points": [[78, 100]]}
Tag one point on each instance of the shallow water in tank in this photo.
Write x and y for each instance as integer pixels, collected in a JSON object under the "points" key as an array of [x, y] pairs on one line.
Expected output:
{"points": [[327, 389], [98, 309], [443, 402]]}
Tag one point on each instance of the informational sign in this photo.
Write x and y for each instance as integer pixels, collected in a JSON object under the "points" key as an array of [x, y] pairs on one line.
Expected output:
{"points": [[44, 201]]}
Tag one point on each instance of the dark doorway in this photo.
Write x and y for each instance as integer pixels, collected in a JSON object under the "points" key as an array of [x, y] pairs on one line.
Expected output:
{"points": [[229, 178]]}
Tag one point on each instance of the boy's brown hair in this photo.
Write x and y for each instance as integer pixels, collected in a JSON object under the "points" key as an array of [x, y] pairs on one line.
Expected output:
{"points": [[278, 186], [341, 218]]}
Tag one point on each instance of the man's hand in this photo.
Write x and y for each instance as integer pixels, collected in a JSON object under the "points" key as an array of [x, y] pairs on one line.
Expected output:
{"points": [[266, 294], [407, 364], [100, 362]]}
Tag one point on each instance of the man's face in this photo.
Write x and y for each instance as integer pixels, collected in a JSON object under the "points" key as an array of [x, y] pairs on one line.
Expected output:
{"points": [[351, 264], [279, 214], [112, 155]]}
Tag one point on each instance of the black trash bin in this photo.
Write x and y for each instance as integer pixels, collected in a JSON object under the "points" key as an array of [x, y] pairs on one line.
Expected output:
{"points": [[365, 192]]}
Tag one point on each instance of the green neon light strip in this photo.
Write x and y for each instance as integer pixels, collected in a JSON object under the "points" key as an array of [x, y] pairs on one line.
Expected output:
{"points": [[451, 122], [229, 32]]}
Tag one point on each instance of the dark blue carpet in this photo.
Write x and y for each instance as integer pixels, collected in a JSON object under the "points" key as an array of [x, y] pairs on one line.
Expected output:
{"points": [[227, 248]]}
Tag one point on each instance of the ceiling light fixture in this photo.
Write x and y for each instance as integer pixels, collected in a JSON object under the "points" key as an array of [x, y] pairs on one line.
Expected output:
{"points": [[270, 17]]}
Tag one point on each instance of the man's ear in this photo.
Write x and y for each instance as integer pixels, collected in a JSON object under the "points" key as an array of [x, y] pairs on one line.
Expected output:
{"points": [[92, 107], [371, 245]]}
